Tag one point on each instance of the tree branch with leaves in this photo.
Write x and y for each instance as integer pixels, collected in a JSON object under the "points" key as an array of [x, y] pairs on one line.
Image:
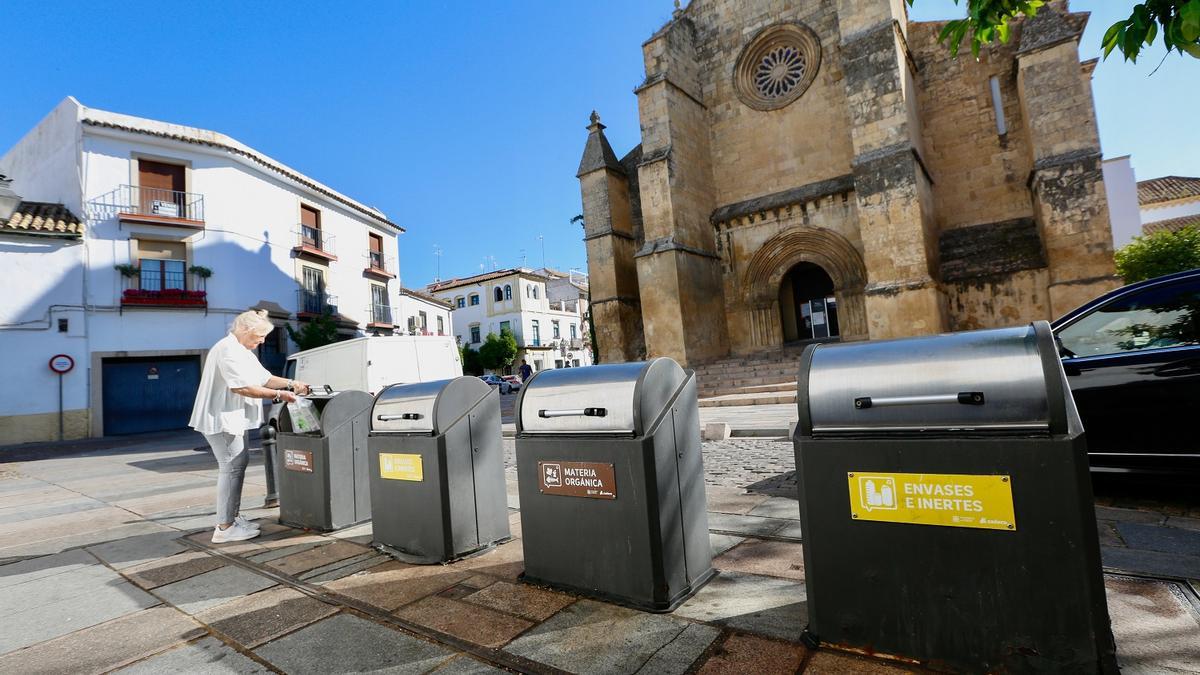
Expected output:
{"points": [[1178, 21]]}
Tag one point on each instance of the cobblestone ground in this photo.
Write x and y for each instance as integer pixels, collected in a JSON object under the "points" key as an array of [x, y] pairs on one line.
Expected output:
{"points": [[763, 466]]}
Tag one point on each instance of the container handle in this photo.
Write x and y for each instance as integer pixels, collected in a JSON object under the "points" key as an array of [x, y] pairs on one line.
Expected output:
{"points": [[963, 397], [402, 416], [574, 412]]}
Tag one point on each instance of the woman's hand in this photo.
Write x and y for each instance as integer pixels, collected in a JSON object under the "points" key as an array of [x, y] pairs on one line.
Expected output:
{"points": [[286, 396], [301, 388]]}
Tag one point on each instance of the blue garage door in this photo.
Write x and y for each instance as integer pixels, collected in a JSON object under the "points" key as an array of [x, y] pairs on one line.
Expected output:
{"points": [[149, 394]]}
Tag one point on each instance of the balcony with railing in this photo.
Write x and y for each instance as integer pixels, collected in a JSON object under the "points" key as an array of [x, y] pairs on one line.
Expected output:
{"points": [[380, 266], [381, 316], [162, 287], [310, 304], [314, 242], [157, 206]]}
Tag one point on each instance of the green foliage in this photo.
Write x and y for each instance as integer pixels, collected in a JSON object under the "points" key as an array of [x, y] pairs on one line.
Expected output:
{"points": [[127, 270], [318, 332], [1178, 20], [1160, 253], [200, 271], [498, 351], [471, 362]]}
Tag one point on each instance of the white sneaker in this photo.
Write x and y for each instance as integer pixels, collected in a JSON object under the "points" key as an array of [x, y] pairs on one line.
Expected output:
{"points": [[235, 532], [241, 520]]}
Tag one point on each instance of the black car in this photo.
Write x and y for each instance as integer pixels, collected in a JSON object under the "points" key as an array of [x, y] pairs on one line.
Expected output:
{"points": [[1132, 358]]}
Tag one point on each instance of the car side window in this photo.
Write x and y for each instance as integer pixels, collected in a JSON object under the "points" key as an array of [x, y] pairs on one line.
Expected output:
{"points": [[1167, 316]]}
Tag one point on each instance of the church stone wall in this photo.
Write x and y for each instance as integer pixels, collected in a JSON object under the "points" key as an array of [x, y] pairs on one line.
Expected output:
{"points": [[761, 152]]}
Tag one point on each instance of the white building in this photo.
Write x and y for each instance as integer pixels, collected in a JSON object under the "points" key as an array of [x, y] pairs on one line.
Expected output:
{"points": [[1169, 203], [549, 334], [422, 314], [1120, 187], [168, 233]]}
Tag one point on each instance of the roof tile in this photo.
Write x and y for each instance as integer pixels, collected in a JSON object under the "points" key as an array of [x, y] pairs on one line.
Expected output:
{"points": [[43, 218], [1171, 224], [1167, 189]]}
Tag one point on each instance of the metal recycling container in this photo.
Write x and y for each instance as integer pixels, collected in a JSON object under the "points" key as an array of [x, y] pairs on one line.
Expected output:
{"points": [[611, 483], [946, 504], [323, 475], [437, 470]]}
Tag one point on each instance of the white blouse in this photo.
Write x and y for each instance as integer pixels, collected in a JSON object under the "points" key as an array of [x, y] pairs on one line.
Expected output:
{"points": [[218, 410]]}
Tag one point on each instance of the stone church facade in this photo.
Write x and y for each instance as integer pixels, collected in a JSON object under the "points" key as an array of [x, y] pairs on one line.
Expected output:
{"points": [[824, 169]]}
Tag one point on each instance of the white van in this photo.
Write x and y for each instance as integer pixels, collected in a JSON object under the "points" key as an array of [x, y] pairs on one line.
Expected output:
{"points": [[371, 363]]}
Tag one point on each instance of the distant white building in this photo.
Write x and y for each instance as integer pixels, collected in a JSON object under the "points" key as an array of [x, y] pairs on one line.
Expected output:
{"points": [[129, 244], [550, 334], [423, 314]]}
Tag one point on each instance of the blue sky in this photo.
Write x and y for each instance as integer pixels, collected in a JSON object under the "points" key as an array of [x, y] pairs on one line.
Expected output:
{"points": [[463, 121]]}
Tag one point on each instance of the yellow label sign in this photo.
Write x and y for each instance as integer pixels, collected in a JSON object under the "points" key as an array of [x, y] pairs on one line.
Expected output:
{"points": [[950, 500], [400, 467]]}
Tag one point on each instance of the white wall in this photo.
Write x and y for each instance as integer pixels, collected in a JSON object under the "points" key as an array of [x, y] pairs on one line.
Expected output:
{"points": [[1120, 187], [1177, 210], [44, 164]]}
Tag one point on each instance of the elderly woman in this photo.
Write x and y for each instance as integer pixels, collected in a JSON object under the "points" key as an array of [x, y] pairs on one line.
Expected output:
{"points": [[228, 404]]}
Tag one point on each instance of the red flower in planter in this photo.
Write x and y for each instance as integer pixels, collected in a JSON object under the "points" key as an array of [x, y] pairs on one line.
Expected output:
{"points": [[168, 296]]}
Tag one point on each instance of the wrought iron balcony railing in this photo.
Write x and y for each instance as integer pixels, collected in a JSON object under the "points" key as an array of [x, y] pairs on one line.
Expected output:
{"points": [[380, 314], [314, 239], [380, 265], [315, 302], [159, 203]]}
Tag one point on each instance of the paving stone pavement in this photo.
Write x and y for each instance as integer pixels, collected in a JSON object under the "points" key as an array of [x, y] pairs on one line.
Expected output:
{"points": [[135, 583]]}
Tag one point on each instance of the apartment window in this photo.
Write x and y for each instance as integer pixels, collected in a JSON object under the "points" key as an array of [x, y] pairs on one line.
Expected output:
{"points": [[529, 291], [538, 365], [535, 292], [312, 291], [558, 363], [537, 334], [162, 265], [474, 299], [424, 322], [310, 226], [380, 311], [441, 326], [160, 189], [575, 362], [554, 329], [498, 294], [573, 333], [508, 291], [475, 334], [506, 326], [157, 275], [460, 302], [375, 245]]}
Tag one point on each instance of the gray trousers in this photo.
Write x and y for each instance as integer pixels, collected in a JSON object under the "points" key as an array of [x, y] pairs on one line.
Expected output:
{"points": [[232, 458]]}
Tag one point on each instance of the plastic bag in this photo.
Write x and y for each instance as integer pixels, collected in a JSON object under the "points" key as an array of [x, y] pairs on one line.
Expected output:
{"points": [[304, 416]]}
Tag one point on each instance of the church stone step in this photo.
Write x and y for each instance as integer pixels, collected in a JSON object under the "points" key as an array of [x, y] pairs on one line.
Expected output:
{"points": [[765, 398]]}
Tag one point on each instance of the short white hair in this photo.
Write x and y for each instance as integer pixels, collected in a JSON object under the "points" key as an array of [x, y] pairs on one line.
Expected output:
{"points": [[252, 321]]}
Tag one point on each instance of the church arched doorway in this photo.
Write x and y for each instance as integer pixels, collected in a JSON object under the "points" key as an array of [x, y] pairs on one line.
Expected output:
{"points": [[807, 305]]}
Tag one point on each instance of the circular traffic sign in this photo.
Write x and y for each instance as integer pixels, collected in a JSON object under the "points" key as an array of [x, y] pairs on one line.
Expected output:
{"points": [[61, 363]]}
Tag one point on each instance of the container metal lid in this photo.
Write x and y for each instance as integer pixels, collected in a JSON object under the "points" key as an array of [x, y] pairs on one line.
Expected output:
{"points": [[978, 380], [426, 407], [619, 398]]}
